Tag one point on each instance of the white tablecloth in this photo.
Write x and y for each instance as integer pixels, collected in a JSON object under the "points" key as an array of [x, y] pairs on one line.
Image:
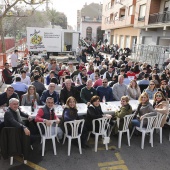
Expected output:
{"points": [[107, 108]]}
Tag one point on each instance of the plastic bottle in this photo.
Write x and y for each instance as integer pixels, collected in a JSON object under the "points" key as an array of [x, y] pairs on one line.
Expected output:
{"points": [[35, 104], [104, 99]]}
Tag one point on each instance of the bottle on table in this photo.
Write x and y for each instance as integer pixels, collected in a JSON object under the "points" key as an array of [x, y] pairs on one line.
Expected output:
{"points": [[32, 106]]}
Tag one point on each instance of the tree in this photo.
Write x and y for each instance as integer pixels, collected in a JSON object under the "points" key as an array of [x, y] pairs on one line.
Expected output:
{"points": [[10, 10], [57, 18]]}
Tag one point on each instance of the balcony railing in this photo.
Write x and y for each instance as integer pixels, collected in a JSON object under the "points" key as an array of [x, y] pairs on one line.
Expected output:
{"points": [[159, 18]]}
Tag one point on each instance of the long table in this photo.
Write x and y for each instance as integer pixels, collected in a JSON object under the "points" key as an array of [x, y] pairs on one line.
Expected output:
{"points": [[107, 108]]}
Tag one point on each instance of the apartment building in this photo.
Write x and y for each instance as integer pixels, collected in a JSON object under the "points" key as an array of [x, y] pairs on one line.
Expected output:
{"points": [[89, 20], [153, 18], [118, 22]]}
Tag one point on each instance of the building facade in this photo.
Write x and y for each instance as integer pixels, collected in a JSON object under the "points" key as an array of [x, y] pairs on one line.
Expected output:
{"points": [[118, 22], [153, 19], [89, 20]]}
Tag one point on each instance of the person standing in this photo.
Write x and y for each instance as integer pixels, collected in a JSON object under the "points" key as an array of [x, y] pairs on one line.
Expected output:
{"points": [[14, 61]]}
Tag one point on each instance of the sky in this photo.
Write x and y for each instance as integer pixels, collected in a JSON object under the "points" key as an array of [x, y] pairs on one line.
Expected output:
{"points": [[70, 7]]}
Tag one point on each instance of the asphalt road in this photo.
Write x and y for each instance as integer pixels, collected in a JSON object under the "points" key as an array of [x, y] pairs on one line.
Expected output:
{"points": [[126, 158]]}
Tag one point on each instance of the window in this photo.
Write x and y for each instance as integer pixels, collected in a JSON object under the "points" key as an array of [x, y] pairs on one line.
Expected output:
{"points": [[89, 32], [142, 11], [131, 10]]}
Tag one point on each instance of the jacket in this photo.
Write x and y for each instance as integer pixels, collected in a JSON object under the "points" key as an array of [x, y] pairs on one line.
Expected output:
{"points": [[124, 110], [92, 113], [132, 95], [163, 108], [11, 119], [5, 100], [7, 76], [46, 94], [14, 142], [65, 94]]}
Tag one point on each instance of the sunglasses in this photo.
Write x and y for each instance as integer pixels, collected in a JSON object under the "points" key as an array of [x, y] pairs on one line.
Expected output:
{"points": [[152, 84], [54, 63], [158, 95], [163, 84], [104, 82]]}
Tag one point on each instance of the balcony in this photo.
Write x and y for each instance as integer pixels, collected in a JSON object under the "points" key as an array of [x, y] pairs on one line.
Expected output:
{"points": [[159, 18]]}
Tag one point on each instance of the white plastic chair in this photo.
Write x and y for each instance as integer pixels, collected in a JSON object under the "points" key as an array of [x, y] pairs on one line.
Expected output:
{"points": [[76, 131], [157, 124], [127, 119], [12, 160], [149, 129], [48, 134], [102, 131]]}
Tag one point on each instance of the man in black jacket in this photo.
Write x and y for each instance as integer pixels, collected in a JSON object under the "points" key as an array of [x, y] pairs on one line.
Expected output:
{"points": [[7, 74], [68, 91], [6, 96], [12, 117]]}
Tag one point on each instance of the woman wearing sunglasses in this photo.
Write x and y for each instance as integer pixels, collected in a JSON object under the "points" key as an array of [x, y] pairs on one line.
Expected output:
{"points": [[161, 105], [151, 89], [165, 89], [144, 109]]}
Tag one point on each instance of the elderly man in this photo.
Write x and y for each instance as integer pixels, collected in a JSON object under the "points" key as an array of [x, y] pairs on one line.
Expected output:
{"points": [[47, 113], [119, 89], [50, 93], [12, 117], [87, 92], [7, 95], [68, 91], [105, 91]]}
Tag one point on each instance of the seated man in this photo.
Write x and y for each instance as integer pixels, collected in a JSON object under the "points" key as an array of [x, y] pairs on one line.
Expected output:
{"points": [[12, 117], [38, 85], [68, 91], [47, 113], [7, 74], [87, 92], [50, 93], [24, 78], [19, 86], [104, 91], [7, 95], [119, 89]]}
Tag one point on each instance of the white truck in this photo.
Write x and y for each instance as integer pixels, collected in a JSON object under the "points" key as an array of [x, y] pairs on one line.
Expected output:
{"points": [[52, 40]]}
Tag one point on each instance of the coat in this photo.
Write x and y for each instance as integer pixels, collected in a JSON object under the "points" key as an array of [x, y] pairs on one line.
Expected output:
{"points": [[124, 110], [14, 142], [132, 95], [92, 113], [163, 108]]}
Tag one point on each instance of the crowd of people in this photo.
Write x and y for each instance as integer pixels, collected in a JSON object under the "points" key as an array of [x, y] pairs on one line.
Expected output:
{"points": [[93, 80]]}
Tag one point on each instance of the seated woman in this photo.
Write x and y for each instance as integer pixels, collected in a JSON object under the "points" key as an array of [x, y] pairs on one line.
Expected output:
{"points": [[30, 96], [70, 111], [161, 105], [125, 109], [94, 111], [164, 88], [143, 108], [151, 89], [133, 90]]}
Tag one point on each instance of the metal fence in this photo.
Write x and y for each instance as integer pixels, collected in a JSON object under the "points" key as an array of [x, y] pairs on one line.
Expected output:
{"points": [[152, 54]]}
